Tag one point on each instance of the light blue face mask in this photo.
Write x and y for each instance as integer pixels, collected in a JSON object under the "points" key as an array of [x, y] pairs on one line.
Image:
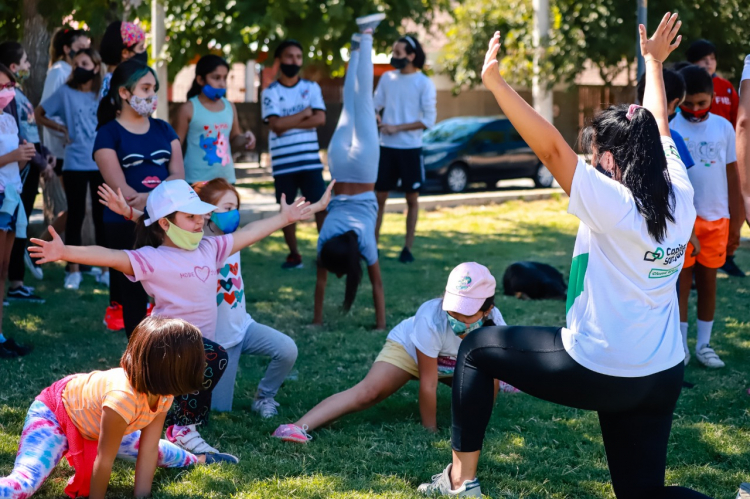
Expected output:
{"points": [[227, 221], [459, 328]]}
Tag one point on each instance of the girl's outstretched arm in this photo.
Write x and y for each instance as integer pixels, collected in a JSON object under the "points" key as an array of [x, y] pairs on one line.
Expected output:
{"points": [[96, 256], [148, 456], [112, 430], [289, 214], [378, 296], [543, 138], [655, 51]]}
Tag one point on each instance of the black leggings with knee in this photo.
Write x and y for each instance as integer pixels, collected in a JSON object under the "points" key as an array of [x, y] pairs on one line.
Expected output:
{"points": [[76, 184], [130, 295], [635, 414]]}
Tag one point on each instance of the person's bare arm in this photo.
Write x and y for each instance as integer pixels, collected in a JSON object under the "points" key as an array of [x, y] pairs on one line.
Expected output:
{"points": [[735, 200], [428, 381], [21, 155], [317, 119], [111, 431], [182, 121], [391, 129], [281, 125], [655, 51], [543, 138], [176, 162], [41, 118], [96, 256], [320, 295], [378, 296], [148, 456], [743, 144], [238, 139], [109, 167]]}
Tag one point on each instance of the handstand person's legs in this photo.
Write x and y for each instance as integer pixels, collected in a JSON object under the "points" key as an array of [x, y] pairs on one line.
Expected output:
{"points": [[341, 142]]}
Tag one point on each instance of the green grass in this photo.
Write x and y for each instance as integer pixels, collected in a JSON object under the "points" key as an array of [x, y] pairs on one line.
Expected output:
{"points": [[533, 448]]}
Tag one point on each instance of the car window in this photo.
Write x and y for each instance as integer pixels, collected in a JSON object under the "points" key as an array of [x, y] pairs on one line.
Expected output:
{"points": [[451, 130], [490, 136]]}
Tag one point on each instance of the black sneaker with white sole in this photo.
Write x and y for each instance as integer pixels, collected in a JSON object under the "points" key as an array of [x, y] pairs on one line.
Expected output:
{"points": [[5, 353], [730, 267], [19, 349], [23, 294], [405, 256]]}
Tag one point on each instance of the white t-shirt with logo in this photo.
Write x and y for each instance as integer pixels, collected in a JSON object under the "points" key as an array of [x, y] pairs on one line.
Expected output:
{"points": [[232, 320], [622, 311], [430, 332], [296, 149], [712, 146]]}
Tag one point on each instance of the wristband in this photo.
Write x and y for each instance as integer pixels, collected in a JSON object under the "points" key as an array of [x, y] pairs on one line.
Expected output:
{"points": [[131, 214], [746, 69]]}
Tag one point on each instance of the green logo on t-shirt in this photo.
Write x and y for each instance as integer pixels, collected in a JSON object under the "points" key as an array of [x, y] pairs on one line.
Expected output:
{"points": [[659, 273], [652, 256]]}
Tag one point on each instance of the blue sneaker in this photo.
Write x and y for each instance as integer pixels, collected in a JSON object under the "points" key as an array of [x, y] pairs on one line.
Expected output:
{"points": [[219, 457], [441, 486]]}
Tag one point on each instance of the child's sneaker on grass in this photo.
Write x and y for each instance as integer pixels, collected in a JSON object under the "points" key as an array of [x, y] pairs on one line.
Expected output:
{"points": [[441, 486], [266, 407], [113, 317], [292, 433], [189, 439], [220, 457], [708, 357]]}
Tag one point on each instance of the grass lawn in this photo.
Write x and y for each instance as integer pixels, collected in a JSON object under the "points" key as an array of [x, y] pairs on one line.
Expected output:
{"points": [[533, 448]]}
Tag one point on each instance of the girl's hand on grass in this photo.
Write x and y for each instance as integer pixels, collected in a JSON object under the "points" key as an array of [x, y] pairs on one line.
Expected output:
{"points": [[298, 210], [491, 70], [46, 252], [659, 46], [114, 201]]}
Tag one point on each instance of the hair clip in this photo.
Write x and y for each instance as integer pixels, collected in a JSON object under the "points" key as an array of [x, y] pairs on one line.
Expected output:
{"points": [[631, 111]]}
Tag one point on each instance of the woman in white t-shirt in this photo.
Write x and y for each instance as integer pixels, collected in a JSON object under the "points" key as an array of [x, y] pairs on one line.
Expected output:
{"points": [[621, 354], [422, 347]]}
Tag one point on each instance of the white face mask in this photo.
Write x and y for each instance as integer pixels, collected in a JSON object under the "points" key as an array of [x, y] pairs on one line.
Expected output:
{"points": [[143, 106]]}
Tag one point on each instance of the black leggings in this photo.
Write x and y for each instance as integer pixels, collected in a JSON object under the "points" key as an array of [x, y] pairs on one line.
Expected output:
{"points": [[75, 184], [635, 414], [130, 295]]}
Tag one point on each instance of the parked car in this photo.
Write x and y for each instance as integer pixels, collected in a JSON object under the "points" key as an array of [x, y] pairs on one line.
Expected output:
{"points": [[459, 151]]}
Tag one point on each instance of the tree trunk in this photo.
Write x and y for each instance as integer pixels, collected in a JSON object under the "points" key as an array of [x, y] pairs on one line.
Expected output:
{"points": [[36, 41]]}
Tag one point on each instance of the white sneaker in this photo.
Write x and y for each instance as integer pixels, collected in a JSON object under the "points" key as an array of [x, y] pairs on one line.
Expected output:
{"points": [[708, 357], [370, 22], [103, 279], [189, 439], [441, 485], [73, 280], [266, 407]]}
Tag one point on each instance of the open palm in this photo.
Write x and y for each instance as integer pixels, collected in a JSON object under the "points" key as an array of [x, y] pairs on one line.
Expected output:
{"points": [[660, 45], [298, 210], [47, 251]]}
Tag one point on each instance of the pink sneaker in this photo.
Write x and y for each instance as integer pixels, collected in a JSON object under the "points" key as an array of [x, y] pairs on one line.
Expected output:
{"points": [[292, 433]]}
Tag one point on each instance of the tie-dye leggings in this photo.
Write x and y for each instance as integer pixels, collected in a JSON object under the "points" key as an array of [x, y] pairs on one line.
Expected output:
{"points": [[43, 445]]}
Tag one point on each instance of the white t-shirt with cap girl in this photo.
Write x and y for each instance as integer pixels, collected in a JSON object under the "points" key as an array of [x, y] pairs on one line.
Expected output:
{"points": [[622, 310]]}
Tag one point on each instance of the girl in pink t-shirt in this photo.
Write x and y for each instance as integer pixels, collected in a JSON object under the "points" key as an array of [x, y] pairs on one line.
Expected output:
{"points": [[178, 267]]}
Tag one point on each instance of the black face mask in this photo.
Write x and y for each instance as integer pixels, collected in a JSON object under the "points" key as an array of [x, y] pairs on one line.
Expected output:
{"points": [[81, 75], [290, 70], [142, 57], [604, 172], [399, 62]]}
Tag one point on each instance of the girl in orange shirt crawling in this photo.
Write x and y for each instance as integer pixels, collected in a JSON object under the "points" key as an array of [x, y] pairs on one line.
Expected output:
{"points": [[94, 417]]}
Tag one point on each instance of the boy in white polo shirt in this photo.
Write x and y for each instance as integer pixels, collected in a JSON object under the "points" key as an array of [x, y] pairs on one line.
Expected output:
{"points": [[717, 199]]}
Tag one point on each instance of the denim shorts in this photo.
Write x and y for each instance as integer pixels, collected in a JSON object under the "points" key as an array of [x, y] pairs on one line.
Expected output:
{"points": [[9, 215]]}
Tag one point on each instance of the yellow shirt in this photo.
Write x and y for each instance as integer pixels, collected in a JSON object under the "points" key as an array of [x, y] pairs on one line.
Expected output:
{"points": [[86, 394]]}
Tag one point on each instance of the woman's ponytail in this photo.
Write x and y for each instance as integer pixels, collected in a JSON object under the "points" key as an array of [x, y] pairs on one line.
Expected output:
{"points": [[340, 255], [634, 141]]}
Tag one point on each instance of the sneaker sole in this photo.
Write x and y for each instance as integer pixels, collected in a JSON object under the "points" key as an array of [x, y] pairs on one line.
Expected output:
{"points": [[27, 300], [372, 18], [290, 439]]}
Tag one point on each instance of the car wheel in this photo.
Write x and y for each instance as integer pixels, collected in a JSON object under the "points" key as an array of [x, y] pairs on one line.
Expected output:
{"points": [[456, 179], [543, 178]]}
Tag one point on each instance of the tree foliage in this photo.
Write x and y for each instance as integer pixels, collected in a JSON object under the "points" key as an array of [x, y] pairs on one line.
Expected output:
{"points": [[602, 32]]}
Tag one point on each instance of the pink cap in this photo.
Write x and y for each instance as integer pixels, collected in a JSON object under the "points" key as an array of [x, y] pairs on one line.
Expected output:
{"points": [[469, 285]]}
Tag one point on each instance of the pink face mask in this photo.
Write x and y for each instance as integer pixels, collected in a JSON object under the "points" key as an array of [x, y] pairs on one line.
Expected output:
{"points": [[6, 95]]}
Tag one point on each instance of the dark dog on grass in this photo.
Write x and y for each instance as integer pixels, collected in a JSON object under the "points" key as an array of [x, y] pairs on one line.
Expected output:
{"points": [[534, 281]]}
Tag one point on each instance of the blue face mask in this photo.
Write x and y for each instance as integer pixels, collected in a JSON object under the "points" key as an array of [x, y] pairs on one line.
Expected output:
{"points": [[227, 222], [214, 93], [460, 328]]}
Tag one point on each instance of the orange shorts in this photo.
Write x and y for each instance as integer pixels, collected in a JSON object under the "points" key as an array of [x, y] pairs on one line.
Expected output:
{"points": [[713, 237]]}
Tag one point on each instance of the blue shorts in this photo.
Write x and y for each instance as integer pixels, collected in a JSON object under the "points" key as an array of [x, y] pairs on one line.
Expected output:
{"points": [[10, 210]]}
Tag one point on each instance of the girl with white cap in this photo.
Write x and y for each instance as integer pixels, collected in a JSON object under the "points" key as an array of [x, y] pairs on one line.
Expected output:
{"points": [[177, 266], [422, 347]]}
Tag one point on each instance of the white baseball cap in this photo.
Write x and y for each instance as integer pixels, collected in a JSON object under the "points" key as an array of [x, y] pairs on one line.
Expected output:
{"points": [[469, 286], [171, 196]]}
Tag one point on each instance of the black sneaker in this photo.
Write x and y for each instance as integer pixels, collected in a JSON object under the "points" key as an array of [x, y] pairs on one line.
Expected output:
{"points": [[292, 262], [20, 350], [5, 353], [731, 268], [405, 256], [23, 294]]}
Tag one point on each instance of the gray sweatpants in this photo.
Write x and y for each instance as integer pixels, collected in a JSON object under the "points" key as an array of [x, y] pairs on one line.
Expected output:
{"points": [[258, 340]]}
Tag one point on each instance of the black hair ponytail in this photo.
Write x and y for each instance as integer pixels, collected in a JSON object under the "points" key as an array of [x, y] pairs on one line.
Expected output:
{"points": [[340, 255], [127, 74], [641, 165], [206, 65]]}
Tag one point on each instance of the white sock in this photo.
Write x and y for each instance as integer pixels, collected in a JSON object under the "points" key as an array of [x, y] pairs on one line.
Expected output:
{"points": [[684, 330], [704, 334], [746, 70]]}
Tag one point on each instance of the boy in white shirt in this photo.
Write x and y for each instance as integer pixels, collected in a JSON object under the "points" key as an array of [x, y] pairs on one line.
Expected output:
{"points": [[717, 199]]}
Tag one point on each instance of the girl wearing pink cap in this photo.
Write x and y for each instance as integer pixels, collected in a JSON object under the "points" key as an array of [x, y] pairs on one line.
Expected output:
{"points": [[621, 354], [422, 347]]}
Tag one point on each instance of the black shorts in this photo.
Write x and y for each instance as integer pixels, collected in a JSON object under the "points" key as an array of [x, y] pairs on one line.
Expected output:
{"points": [[401, 169], [309, 182], [58, 167]]}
